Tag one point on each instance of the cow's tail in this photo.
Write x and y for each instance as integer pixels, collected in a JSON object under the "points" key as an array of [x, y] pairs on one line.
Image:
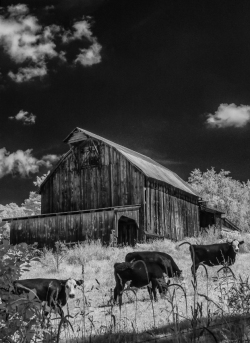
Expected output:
{"points": [[185, 243]]}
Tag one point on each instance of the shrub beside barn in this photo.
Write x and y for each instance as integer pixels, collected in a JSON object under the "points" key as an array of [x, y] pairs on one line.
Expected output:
{"points": [[102, 190]]}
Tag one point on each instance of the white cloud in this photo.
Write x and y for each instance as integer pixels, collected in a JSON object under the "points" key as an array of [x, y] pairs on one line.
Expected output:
{"points": [[89, 56], [23, 163], [229, 116], [49, 8], [49, 160], [18, 9], [28, 73], [81, 29], [19, 162], [26, 117], [23, 38], [30, 44]]}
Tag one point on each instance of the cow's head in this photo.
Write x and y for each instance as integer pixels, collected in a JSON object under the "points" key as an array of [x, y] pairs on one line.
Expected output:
{"points": [[70, 287], [178, 275], [236, 245]]}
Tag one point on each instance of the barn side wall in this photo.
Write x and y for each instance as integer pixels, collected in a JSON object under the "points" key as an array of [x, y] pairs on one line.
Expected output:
{"points": [[169, 212], [69, 227], [73, 187], [165, 210]]}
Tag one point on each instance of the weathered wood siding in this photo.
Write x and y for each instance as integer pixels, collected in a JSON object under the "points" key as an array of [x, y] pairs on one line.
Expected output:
{"points": [[69, 227], [116, 182], [170, 212], [165, 210]]}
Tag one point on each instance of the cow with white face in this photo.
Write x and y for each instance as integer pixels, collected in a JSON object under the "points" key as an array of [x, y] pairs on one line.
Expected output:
{"points": [[236, 245], [55, 293], [70, 287]]}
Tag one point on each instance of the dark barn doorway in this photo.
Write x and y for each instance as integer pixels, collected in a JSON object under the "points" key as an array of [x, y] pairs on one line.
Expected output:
{"points": [[127, 231]]}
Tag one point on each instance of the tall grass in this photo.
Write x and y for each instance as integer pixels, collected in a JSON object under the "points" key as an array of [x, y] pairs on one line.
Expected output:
{"points": [[214, 300]]}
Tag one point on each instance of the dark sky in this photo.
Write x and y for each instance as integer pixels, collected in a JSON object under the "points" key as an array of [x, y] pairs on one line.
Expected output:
{"points": [[163, 70]]}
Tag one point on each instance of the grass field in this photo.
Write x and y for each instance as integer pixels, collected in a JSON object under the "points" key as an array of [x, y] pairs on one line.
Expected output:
{"points": [[97, 317]]}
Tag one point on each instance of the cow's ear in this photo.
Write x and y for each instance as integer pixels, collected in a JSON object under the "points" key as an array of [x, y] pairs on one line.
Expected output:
{"points": [[79, 282], [241, 242]]}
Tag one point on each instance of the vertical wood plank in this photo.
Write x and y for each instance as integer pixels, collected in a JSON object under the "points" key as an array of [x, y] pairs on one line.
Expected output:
{"points": [[119, 180], [111, 178], [152, 207], [148, 207], [91, 188], [157, 208], [83, 226]]}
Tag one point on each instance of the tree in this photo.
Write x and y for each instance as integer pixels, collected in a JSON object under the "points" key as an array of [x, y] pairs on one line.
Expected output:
{"points": [[224, 193], [12, 210], [39, 180], [30, 206]]}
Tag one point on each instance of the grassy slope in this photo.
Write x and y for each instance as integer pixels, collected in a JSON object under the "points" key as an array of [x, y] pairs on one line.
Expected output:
{"points": [[135, 315]]}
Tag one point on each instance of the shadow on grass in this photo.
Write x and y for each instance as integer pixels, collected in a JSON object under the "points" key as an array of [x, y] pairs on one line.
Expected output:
{"points": [[222, 329]]}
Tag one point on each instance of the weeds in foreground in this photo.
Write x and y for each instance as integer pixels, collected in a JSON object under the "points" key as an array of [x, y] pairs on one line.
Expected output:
{"points": [[204, 312]]}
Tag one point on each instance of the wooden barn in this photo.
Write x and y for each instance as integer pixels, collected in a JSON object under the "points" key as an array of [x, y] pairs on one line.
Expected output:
{"points": [[102, 190]]}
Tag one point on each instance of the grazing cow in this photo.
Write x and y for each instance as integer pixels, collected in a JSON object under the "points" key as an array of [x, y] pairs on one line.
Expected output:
{"points": [[140, 274], [213, 254], [51, 291], [164, 260]]}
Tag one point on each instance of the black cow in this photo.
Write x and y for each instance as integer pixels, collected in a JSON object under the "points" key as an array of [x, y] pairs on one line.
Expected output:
{"points": [[213, 254], [140, 274], [165, 261], [53, 292]]}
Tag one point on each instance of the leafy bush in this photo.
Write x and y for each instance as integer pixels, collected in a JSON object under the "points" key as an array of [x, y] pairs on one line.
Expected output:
{"points": [[19, 315], [94, 250], [238, 298], [53, 259]]}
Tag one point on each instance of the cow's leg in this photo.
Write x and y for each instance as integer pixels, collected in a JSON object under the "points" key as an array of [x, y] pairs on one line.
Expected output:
{"points": [[115, 294], [161, 289], [120, 295], [154, 286], [46, 314], [118, 291], [150, 292]]}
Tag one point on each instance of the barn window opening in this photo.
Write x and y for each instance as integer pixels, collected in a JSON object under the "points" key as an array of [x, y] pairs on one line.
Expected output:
{"points": [[91, 154]]}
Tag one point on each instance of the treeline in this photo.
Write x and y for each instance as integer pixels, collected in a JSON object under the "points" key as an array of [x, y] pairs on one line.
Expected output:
{"points": [[30, 206], [218, 189], [225, 194]]}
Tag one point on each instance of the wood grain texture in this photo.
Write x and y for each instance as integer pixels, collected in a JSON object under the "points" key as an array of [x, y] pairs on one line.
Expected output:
{"points": [[115, 181]]}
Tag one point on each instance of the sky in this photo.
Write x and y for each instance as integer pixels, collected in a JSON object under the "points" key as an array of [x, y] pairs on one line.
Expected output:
{"points": [[168, 79]]}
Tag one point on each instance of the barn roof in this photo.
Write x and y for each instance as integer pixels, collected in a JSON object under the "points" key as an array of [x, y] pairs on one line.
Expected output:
{"points": [[149, 167]]}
